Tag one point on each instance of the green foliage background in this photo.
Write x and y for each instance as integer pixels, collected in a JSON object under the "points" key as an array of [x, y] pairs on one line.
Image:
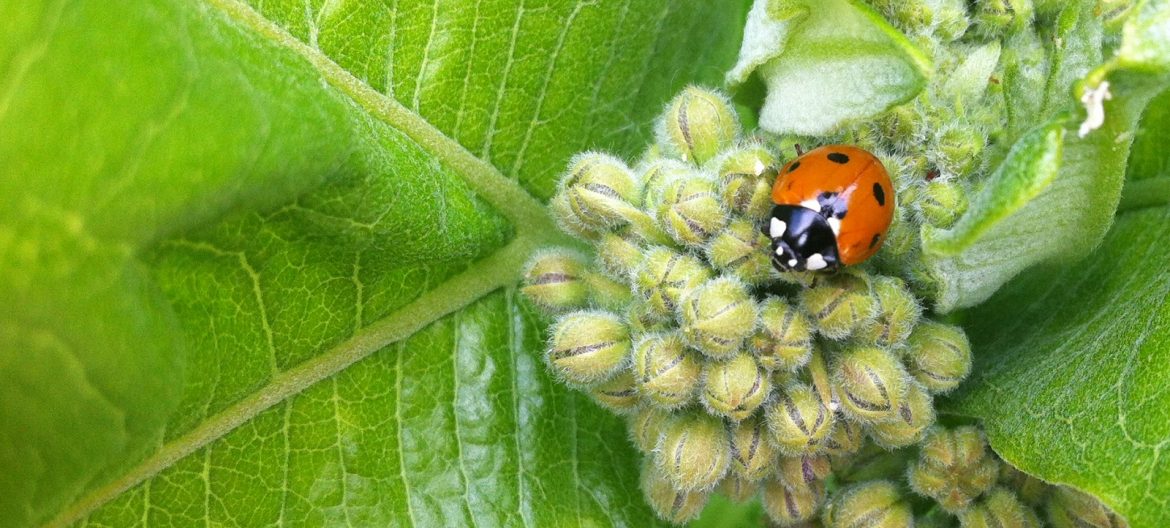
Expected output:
{"points": [[257, 265]]}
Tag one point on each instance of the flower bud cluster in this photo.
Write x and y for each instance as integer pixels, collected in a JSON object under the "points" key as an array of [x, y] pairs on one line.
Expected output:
{"points": [[734, 378]]}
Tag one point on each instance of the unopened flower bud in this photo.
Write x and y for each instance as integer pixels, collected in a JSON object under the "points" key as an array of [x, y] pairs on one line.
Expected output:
{"points": [[871, 462], [669, 503], [898, 312], [553, 281], [567, 219], [741, 250], [605, 292], [588, 347], [695, 451], [698, 124], [870, 383], [1000, 509], [646, 426], [600, 189], [953, 467], [655, 177], [784, 339], [718, 316], [798, 420], [874, 504], [957, 148], [847, 438], [667, 373], [789, 503], [1029, 489], [805, 469], [690, 210], [618, 394], [839, 305], [644, 319], [915, 415], [666, 277], [751, 453], [734, 388], [939, 356], [993, 18], [744, 180], [619, 253], [942, 203], [738, 489], [1069, 508]]}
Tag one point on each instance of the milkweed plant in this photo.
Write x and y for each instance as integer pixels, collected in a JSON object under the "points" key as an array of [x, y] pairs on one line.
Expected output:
{"points": [[815, 392]]}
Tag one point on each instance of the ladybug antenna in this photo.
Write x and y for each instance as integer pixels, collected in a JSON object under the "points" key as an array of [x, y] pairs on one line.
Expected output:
{"points": [[799, 151]]}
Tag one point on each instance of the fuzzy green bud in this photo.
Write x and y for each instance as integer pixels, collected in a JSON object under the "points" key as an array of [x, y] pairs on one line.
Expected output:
{"points": [[915, 415], [871, 462], [666, 372], [784, 340], [789, 503], [669, 503], [553, 281], [950, 20], [600, 189], [667, 276], [939, 356], [619, 253], [870, 383], [644, 319], [742, 251], [697, 125], [798, 420], [646, 426], [751, 453], [874, 504], [1001, 509], [618, 394], [839, 305], [1069, 508], [805, 469], [567, 219], [605, 292], [738, 489], [655, 177], [588, 347], [953, 467], [695, 451], [744, 180], [942, 202], [718, 316], [690, 210], [1029, 489], [847, 438], [735, 388], [901, 238], [898, 312], [993, 18]]}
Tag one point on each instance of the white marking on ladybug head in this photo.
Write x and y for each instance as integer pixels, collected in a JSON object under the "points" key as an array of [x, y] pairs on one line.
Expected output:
{"points": [[760, 168], [780, 251], [777, 228], [815, 262], [792, 263], [811, 203], [835, 225]]}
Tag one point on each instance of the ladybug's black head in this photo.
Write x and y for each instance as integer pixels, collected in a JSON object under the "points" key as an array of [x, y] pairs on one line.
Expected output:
{"points": [[801, 240]]}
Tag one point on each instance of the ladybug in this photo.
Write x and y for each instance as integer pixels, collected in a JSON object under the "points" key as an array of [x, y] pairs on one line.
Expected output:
{"points": [[833, 207]]}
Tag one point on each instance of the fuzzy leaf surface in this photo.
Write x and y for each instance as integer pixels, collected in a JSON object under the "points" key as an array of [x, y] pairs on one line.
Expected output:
{"points": [[257, 259], [826, 63]]}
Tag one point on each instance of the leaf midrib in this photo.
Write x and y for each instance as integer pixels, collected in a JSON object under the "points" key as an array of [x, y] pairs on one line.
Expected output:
{"points": [[533, 226]]}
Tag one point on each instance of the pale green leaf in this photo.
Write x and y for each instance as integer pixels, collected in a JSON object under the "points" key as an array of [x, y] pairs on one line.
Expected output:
{"points": [[826, 63], [1053, 195], [258, 259], [1070, 377]]}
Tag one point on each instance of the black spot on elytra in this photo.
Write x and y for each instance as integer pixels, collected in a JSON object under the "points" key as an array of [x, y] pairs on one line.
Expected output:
{"points": [[879, 193], [837, 157], [795, 165], [874, 242]]}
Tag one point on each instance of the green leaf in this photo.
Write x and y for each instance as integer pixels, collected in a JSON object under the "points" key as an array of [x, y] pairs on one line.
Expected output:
{"points": [[826, 63], [1053, 196], [1071, 379], [257, 261]]}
